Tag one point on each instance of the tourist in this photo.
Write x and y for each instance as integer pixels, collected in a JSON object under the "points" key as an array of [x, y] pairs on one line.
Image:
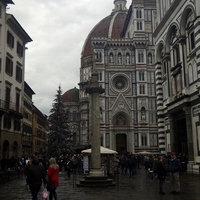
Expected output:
{"points": [[174, 168], [161, 172], [35, 176], [52, 174]]}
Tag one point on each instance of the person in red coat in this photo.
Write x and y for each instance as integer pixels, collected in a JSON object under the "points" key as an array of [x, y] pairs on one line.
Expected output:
{"points": [[52, 174]]}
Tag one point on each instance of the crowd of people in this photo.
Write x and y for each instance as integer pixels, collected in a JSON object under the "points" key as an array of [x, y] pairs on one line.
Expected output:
{"points": [[38, 169], [161, 165], [41, 170]]}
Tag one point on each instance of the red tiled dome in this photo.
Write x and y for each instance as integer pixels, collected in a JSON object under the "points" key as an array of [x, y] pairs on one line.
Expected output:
{"points": [[111, 25], [71, 96]]}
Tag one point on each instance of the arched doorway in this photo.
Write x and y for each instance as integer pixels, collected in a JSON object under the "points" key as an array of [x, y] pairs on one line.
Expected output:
{"points": [[121, 126], [181, 136], [15, 150], [6, 149], [121, 143]]}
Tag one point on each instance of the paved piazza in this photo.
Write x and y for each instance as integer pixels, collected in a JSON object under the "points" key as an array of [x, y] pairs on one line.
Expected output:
{"points": [[136, 187]]}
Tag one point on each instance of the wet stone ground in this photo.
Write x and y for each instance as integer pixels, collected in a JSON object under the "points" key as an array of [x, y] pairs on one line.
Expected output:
{"points": [[137, 187]]}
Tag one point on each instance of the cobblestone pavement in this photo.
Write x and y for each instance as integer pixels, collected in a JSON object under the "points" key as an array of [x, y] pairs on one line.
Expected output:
{"points": [[137, 187]]}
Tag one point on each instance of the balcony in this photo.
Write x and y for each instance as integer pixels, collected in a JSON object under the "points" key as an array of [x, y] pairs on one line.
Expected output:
{"points": [[10, 107]]}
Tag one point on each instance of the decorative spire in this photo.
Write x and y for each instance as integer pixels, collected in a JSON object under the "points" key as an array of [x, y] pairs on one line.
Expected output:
{"points": [[120, 5]]}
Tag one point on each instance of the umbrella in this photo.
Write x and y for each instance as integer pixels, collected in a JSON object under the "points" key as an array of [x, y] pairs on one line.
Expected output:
{"points": [[103, 150], [144, 153]]}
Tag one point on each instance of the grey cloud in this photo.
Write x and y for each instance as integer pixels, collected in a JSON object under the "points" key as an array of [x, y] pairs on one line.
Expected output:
{"points": [[58, 31]]}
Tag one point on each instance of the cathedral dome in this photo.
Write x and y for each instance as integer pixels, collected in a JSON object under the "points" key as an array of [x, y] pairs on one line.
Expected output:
{"points": [[71, 96], [109, 27]]}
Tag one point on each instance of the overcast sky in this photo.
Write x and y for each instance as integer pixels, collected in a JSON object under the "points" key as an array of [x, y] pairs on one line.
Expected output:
{"points": [[58, 29]]}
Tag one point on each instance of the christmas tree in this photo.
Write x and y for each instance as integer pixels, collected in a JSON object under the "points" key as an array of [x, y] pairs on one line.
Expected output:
{"points": [[59, 139]]}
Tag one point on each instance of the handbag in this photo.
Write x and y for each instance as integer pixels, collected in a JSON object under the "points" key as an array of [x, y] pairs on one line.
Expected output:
{"points": [[45, 194], [50, 186]]}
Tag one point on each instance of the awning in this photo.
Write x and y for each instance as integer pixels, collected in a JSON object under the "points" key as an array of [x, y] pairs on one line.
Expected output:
{"points": [[103, 150]]}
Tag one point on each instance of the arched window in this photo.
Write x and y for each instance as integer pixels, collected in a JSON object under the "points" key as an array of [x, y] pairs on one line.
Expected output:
{"points": [[141, 57], [139, 25], [143, 113], [100, 55], [7, 122], [175, 46], [190, 31], [141, 76], [142, 89], [150, 58], [138, 14], [144, 140], [100, 76]]}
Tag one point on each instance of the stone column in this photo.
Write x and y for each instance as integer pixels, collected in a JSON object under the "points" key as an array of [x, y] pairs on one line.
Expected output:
{"points": [[189, 134], [94, 90], [172, 133]]}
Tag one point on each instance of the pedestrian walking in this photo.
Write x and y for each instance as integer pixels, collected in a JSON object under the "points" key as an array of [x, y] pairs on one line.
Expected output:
{"points": [[52, 174], [161, 172], [69, 167], [35, 176], [174, 168]]}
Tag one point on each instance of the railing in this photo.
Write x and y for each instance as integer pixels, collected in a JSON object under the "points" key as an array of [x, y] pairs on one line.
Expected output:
{"points": [[10, 106], [2, 104]]}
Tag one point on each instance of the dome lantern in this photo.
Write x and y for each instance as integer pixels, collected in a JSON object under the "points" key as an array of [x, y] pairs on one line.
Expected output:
{"points": [[120, 5]]}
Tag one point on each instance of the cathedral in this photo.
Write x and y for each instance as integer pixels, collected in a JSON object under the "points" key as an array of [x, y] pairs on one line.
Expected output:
{"points": [[147, 58], [124, 57], [177, 78]]}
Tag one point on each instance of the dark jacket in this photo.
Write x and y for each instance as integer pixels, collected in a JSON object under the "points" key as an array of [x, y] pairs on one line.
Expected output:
{"points": [[36, 173], [175, 165], [161, 170]]}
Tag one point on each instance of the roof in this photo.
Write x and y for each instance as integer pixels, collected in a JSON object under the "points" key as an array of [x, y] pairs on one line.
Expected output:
{"points": [[12, 22], [110, 27], [9, 2], [103, 150], [71, 95]]}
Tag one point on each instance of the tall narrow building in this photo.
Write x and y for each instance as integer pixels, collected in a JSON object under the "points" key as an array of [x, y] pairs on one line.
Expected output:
{"points": [[123, 44], [13, 40]]}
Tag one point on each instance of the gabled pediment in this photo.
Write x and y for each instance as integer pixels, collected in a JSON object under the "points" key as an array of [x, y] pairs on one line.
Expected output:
{"points": [[120, 104]]}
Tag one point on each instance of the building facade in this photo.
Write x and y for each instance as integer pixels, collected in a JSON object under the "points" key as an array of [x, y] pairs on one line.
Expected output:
{"points": [[27, 121], [124, 49], [39, 136], [71, 102], [177, 47], [13, 41], [22, 125]]}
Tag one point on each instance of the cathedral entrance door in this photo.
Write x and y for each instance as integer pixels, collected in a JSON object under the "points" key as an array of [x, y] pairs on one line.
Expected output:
{"points": [[181, 136], [121, 143]]}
